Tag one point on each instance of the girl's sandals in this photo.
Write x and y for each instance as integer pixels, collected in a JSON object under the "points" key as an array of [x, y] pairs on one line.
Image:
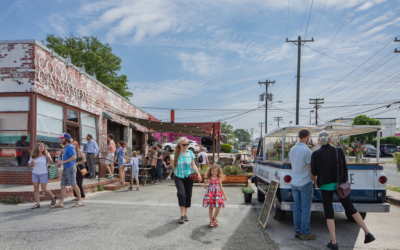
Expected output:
{"points": [[216, 222], [57, 206], [78, 205], [211, 223], [53, 201], [36, 206]]}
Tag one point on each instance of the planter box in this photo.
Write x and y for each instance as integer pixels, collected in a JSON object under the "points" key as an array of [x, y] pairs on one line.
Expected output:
{"points": [[231, 179]]}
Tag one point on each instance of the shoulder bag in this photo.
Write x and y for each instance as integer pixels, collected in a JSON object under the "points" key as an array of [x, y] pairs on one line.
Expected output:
{"points": [[83, 170], [343, 190], [52, 171]]}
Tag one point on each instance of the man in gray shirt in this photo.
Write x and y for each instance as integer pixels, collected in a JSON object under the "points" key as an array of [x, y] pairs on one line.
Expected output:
{"points": [[303, 183]]}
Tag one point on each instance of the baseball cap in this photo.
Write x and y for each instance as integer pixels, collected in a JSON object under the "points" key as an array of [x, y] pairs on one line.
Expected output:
{"points": [[65, 135]]}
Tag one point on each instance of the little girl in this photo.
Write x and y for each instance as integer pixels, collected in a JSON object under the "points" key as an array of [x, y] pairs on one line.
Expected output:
{"points": [[215, 194]]}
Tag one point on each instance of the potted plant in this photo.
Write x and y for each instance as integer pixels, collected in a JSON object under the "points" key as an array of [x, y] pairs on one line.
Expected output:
{"points": [[234, 175], [248, 194], [396, 159]]}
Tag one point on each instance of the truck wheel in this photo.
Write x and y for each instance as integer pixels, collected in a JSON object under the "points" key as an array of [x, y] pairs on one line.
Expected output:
{"points": [[260, 196], [168, 148], [277, 213], [350, 217]]}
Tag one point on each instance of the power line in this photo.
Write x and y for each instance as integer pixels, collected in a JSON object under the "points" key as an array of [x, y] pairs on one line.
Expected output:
{"points": [[320, 18], [309, 16]]}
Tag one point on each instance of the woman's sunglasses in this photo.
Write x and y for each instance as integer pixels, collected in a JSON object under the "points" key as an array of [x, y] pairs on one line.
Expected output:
{"points": [[185, 145]]}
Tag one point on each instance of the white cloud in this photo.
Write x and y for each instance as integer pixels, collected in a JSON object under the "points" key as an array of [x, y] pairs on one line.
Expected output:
{"points": [[369, 4], [58, 23], [145, 94], [201, 63]]}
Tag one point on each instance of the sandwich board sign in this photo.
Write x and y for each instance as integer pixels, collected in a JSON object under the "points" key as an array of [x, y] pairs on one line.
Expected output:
{"points": [[268, 202]]}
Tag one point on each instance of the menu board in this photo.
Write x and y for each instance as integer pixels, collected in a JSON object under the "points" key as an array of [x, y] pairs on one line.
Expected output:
{"points": [[268, 202]]}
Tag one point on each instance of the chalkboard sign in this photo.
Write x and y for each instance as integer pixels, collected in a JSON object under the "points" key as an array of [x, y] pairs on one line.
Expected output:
{"points": [[268, 202]]}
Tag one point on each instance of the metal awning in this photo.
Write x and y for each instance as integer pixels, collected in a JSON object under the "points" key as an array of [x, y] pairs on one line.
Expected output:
{"points": [[334, 129], [167, 127]]}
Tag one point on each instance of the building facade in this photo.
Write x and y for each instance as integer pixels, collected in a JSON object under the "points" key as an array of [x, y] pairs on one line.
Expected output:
{"points": [[43, 95]]}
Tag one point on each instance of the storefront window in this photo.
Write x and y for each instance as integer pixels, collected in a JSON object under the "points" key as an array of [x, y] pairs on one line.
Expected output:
{"points": [[14, 136], [13, 121], [72, 116], [14, 148], [20, 103], [50, 109], [49, 123], [88, 126]]}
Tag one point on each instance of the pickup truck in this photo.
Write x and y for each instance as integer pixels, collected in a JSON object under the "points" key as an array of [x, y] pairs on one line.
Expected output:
{"points": [[368, 182]]}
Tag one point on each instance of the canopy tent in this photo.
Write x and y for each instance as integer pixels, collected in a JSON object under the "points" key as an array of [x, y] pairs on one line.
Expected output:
{"points": [[167, 127]]}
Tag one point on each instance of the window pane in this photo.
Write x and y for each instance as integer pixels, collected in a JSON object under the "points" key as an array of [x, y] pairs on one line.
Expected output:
{"points": [[14, 157], [50, 109], [10, 121], [14, 138], [49, 125], [88, 120], [50, 140], [85, 131], [14, 103], [72, 116]]}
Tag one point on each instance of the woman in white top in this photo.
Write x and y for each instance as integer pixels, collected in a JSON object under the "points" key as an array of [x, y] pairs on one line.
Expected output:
{"points": [[134, 164], [39, 160]]}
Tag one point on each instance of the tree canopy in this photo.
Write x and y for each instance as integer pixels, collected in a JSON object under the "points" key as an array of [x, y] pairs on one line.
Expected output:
{"points": [[96, 57], [364, 120], [242, 135]]}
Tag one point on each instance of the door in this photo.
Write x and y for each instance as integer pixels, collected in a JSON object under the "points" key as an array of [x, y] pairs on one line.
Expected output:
{"points": [[74, 132]]}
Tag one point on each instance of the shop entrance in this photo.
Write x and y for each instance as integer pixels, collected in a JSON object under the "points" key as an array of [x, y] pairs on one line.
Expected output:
{"points": [[74, 132], [116, 129]]}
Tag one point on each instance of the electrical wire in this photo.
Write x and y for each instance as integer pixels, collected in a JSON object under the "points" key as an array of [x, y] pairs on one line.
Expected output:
{"points": [[320, 18], [309, 16]]}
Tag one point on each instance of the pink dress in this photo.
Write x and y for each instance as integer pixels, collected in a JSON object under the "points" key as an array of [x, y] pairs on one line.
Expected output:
{"points": [[213, 196]]}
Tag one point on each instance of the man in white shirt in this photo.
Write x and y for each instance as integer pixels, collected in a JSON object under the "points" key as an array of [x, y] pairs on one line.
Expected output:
{"points": [[202, 158]]}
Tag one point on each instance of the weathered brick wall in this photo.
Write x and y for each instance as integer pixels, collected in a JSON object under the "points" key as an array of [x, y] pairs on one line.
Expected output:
{"points": [[20, 177]]}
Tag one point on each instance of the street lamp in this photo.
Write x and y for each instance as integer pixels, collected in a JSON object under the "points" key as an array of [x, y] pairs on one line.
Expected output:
{"points": [[311, 111]]}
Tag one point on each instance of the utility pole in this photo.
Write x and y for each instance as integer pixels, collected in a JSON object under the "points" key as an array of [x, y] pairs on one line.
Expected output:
{"points": [[260, 124], [395, 50], [252, 133], [278, 119], [298, 43], [316, 102], [267, 97]]}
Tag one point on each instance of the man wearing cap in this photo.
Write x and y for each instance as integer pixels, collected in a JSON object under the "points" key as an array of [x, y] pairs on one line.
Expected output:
{"points": [[92, 149], [68, 177]]}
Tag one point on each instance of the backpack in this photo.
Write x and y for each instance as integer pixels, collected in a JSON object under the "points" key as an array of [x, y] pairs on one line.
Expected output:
{"points": [[200, 158]]}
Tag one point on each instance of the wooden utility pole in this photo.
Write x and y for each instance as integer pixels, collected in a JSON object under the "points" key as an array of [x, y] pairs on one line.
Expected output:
{"points": [[316, 102], [252, 133], [278, 119], [298, 43], [267, 97], [395, 50], [260, 124]]}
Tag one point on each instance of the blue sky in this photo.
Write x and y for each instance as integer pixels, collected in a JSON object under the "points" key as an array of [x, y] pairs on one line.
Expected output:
{"points": [[211, 54]]}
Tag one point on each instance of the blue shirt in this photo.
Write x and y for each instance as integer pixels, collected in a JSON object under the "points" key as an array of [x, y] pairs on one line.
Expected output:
{"points": [[92, 147], [68, 152], [300, 156], [184, 166]]}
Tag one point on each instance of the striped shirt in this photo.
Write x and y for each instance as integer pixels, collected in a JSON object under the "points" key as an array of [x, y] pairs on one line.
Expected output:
{"points": [[184, 167]]}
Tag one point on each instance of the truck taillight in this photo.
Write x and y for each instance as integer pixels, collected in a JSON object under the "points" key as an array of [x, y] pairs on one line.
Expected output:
{"points": [[197, 145], [382, 179], [287, 178], [384, 149]]}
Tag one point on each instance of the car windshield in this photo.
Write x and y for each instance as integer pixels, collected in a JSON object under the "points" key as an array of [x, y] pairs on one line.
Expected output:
{"points": [[370, 147]]}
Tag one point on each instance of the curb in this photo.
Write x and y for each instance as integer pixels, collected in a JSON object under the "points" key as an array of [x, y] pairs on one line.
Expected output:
{"points": [[392, 200]]}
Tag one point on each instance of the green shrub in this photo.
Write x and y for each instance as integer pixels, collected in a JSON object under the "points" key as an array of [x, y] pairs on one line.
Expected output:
{"points": [[232, 170], [388, 140], [247, 190], [14, 200], [226, 148], [100, 187]]}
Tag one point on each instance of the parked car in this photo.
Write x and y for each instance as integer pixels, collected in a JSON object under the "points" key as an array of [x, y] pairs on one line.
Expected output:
{"points": [[388, 149], [371, 150], [170, 146], [398, 148]]}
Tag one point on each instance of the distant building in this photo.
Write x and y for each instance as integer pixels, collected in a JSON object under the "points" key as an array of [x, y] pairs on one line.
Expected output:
{"points": [[388, 123]]}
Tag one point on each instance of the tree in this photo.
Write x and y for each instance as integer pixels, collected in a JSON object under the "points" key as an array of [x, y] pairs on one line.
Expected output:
{"points": [[364, 120], [228, 130], [242, 135], [96, 58]]}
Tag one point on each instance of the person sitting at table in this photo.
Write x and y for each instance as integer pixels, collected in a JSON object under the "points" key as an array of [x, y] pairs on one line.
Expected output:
{"points": [[167, 166]]}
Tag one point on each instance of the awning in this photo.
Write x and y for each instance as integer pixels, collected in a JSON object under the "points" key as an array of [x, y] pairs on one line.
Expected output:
{"points": [[167, 127], [335, 129]]}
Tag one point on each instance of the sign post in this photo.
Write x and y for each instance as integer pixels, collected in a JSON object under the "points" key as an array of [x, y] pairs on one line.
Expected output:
{"points": [[268, 202]]}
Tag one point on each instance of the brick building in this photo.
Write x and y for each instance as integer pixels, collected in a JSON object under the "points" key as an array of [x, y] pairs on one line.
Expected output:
{"points": [[43, 95]]}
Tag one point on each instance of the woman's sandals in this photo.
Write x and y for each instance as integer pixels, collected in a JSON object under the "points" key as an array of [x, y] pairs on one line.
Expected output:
{"points": [[36, 206]]}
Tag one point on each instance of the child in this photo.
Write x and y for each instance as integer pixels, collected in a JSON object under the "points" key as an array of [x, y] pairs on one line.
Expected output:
{"points": [[134, 163], [215, 194]]}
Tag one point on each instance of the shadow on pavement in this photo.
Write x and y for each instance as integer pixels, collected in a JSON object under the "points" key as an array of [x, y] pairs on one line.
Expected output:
{"points": [[168, 227]]}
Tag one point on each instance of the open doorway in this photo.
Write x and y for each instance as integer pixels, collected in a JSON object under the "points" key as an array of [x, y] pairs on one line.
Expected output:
{"points": [[74, 132]]}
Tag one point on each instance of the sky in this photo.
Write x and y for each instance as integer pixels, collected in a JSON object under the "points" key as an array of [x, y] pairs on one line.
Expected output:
{"points": [[205, 58]]}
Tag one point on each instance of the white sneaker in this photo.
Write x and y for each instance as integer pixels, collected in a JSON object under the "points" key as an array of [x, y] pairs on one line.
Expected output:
{"points": [[158, 183], [168, 178]]}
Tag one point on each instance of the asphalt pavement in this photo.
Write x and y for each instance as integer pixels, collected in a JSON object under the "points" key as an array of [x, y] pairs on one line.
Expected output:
{"points": [[148, 219]]}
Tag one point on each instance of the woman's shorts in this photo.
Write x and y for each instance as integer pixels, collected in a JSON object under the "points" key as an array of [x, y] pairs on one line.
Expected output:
{"points": [[110, 158], [135, 174], [68, 177], [40, 178]]}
